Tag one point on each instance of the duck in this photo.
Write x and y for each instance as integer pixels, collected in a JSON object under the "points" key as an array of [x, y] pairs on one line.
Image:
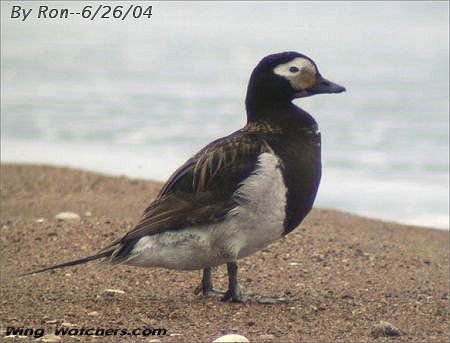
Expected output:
{"points": [[240, 193]]}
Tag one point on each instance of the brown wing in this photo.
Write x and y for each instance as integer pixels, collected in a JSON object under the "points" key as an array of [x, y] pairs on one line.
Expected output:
{"points": [[200, 191]]}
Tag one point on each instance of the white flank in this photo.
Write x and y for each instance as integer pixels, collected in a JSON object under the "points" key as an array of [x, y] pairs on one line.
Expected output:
{"points": [[256, 222], [262, 206]]}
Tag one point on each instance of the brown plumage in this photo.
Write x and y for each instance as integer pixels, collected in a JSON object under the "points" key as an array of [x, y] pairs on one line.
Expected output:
{"points": [[199, 191]]}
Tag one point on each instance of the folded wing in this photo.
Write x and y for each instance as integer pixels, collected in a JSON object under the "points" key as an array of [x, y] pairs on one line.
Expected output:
{"points": [[199, 192]]}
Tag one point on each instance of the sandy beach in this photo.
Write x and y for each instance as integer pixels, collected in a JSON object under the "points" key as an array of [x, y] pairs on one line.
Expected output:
{"points": [[344, 273]]}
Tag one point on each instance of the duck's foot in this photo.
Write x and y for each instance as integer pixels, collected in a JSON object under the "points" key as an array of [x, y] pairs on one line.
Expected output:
{"points": [[206, 288], [213, 293], [254, 298], [239, 297], [260, 299], [234, 293]]}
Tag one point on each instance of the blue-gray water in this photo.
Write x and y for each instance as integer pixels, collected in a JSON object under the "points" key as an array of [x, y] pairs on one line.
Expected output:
{"points": [[138, 97]]}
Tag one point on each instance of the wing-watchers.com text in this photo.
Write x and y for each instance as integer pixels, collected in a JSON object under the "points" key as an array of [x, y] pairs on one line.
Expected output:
{"points": [[71, 331]]}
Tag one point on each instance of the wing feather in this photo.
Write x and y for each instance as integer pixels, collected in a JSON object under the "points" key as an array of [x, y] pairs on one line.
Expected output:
{"points": [[200, 191]]}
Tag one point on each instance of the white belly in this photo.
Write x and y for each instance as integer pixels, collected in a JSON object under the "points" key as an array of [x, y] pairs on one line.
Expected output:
{"points": [[254, 223]]}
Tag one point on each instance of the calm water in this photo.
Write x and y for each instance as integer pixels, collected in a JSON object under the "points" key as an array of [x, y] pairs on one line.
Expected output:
{"points": [[138, 97]]}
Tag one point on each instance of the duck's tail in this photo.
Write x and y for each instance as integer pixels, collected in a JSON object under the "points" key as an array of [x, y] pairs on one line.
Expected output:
{"points": [[72, 263]]}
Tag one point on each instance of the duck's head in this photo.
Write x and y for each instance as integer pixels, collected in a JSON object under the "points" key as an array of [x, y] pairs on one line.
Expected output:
{"points": [[286, 76]]}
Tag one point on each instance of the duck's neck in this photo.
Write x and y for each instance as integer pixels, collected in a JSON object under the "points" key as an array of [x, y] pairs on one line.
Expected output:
{"points": [[281, 112]]}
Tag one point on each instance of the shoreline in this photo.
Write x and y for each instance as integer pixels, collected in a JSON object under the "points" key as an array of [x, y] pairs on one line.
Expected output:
{"points": [[160, 182], [345, 273]]}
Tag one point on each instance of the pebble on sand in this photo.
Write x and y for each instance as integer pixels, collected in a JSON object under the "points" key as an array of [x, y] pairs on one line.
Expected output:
{"points": [[113, 291], [384, 329], [50, 338], [67, 324], [67, 216], [266, 338], [52, 321], [231, 338]]}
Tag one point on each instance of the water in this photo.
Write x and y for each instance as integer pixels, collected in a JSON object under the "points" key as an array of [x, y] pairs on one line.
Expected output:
{"points": [[138, 97]]}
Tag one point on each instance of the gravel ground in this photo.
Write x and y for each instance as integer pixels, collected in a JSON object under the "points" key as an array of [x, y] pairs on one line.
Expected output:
{"points": [[344, 273]]}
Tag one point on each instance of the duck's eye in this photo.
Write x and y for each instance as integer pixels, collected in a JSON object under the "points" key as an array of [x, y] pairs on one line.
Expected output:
{"points": [[293, 69]]}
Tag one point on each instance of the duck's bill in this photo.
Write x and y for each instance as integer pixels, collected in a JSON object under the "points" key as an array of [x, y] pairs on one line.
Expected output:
{"points": [[321, 86]]}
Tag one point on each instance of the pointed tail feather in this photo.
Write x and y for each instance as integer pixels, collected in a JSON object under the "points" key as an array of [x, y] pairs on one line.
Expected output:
{"points": [[71, 263]]}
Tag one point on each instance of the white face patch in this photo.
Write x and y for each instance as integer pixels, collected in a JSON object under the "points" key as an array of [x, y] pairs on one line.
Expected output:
{"points": [[300, 72]]}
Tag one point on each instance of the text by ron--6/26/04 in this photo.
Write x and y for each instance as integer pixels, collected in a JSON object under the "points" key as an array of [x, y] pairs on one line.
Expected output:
{"points": [[90, 12]]}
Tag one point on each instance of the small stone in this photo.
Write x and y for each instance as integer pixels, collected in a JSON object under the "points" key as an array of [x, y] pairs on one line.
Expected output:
{"points": [[113, 291], [40, 220], [93, 314], [16, 336], [67, 216], [347, 296], [361, 253], [231, 338], [52, 321], [384, 329], [154, 340], [50, 338], [319, 257], [294, 263], [267, 337]]}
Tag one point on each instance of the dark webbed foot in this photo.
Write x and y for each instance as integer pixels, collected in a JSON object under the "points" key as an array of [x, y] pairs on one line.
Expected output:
{"points": [[234, 293], [206, 286], [250, 297], [260, 299]]}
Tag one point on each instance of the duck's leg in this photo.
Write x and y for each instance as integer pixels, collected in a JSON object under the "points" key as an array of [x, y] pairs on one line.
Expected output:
{"points": [[234, 293], [206, 287]]}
